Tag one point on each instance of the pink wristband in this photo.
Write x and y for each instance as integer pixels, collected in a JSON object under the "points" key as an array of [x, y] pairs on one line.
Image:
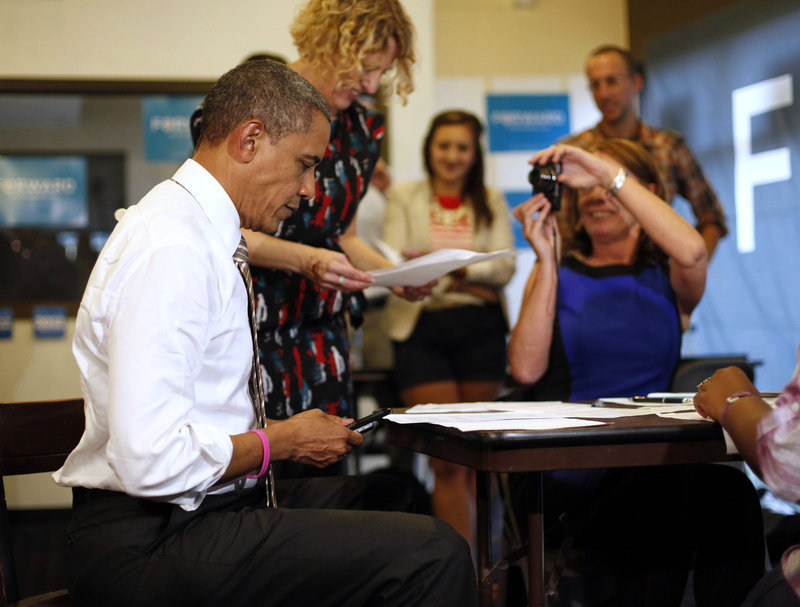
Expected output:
{"points": [[265, 444], [729, 401]]}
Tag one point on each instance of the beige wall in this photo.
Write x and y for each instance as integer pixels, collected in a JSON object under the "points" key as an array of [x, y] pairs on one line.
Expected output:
{"points": [[38, 369], [491, 37], [195, 40], [173, 39]]}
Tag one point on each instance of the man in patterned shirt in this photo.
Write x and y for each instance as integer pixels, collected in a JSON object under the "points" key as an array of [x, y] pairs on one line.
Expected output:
{"points": [[616, 82]]}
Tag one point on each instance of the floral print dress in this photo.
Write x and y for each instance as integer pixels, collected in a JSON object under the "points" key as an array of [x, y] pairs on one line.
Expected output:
{"points": [[302, 332]]}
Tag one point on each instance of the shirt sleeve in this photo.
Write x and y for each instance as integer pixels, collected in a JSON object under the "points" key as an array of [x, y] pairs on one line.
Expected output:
{"points": [[498, 272], [779, 443], [157, 339], [395, 228], [694, 187]]}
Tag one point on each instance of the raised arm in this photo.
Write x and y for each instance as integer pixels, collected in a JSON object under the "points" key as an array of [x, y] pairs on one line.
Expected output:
{"points": [[529, 344], [673, 234]]}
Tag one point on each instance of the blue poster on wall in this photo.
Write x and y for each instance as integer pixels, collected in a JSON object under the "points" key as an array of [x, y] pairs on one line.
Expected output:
{"points": [[49, 322], [526, 122], [6, 322], [166, 127], [43, 191]]}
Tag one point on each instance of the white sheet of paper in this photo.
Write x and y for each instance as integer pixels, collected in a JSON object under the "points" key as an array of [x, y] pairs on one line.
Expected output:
{"points": [[495, 420], [451, 408], [690, 414], [387, 251], [425, 268], [531, 409], [524, 424], [730, 446], [550, 409]]}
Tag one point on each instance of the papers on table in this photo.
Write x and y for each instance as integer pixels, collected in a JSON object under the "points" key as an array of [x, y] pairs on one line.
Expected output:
{"points": [[425, 268], [494, 416], [535, 415], [671, 405], [496, 420]]}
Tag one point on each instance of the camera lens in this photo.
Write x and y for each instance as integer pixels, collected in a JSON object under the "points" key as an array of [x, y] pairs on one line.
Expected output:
{"points": [[543, 178]]}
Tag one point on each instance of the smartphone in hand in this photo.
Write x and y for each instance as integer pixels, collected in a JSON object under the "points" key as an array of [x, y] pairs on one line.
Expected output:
{"points": [[367, 423]]}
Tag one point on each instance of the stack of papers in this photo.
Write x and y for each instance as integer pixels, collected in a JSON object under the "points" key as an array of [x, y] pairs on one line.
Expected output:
{"points": [[543, 415]]}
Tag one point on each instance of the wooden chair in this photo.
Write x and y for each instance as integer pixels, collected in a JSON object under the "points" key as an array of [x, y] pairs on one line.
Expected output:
{"points": [[34, 437]]}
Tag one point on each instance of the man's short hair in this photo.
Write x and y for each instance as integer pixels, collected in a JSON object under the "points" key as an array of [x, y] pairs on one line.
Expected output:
{"points": [[265, 90], [634, 66]]}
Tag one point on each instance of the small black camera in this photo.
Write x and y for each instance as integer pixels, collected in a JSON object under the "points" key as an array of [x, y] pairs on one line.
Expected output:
{"points": [[544, 179]]}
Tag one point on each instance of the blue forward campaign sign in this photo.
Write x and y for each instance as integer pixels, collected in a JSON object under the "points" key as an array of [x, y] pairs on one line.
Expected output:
{"points": [[49, 322], [526, 122], [43, 191], [166, 126]]}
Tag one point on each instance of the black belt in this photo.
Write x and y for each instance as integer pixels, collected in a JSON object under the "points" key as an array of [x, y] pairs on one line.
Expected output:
{"points": [[82, 495]]}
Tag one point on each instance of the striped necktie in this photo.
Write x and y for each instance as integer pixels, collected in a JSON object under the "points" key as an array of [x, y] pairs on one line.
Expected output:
{"points": [[256, 385]]}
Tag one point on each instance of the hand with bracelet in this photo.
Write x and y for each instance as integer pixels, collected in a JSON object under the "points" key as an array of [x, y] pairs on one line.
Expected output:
{"points": [[731, 399], [581, 169], [310, 437]]}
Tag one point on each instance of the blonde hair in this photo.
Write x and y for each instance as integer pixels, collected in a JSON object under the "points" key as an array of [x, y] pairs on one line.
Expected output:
{"points": [[337, 35]]}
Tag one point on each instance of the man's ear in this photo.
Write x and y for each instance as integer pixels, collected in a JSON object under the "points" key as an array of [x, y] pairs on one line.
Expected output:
{"points": [[246, 139]]}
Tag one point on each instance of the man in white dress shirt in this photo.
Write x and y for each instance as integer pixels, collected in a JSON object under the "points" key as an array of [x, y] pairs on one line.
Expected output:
{"points": [[167, 506]]}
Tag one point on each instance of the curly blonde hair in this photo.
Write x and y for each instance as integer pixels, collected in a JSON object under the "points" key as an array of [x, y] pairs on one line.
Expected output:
{"points": [[337, 35]]}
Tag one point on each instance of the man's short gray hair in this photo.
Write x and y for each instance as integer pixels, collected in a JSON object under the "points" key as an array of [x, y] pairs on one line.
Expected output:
{"points": [[265, 90]]}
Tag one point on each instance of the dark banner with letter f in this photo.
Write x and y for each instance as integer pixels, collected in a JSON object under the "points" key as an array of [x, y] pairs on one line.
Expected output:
{"points": [[728, 84]]}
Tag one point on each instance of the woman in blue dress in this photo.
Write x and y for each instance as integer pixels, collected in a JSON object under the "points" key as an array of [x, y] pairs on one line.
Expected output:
{"points": [[605, 319]]}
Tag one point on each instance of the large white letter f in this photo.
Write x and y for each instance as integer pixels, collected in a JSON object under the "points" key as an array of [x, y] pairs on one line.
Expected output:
{"points": [[751, 169]]}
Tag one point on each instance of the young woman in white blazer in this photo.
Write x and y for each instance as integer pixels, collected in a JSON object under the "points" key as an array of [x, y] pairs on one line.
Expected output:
{"points": [[451, 347]]}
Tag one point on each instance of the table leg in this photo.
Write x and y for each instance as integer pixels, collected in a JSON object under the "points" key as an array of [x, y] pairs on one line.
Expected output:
{"points": [[535, 541], [483, 513]]}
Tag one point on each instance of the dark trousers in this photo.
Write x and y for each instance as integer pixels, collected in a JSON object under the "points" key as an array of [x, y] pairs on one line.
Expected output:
{"points": [[233, 551]]}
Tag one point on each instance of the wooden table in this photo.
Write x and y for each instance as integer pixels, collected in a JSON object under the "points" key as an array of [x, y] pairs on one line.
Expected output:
{"points": [[646, 440]]}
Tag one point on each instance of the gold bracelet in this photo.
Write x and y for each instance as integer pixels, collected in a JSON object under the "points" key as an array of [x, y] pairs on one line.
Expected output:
{"points": [[618, 182]]}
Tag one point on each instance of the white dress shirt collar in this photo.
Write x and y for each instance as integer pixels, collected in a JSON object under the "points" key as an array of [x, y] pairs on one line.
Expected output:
{"points": [[213, 199]]}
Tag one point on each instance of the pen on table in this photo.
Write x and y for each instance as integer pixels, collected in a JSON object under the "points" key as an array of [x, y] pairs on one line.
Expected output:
{"points": [[682, 400], [612, 405]]}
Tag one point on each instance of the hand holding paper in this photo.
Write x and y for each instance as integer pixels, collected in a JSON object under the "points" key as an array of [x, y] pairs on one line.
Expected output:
{"points": [[421, 270]]}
